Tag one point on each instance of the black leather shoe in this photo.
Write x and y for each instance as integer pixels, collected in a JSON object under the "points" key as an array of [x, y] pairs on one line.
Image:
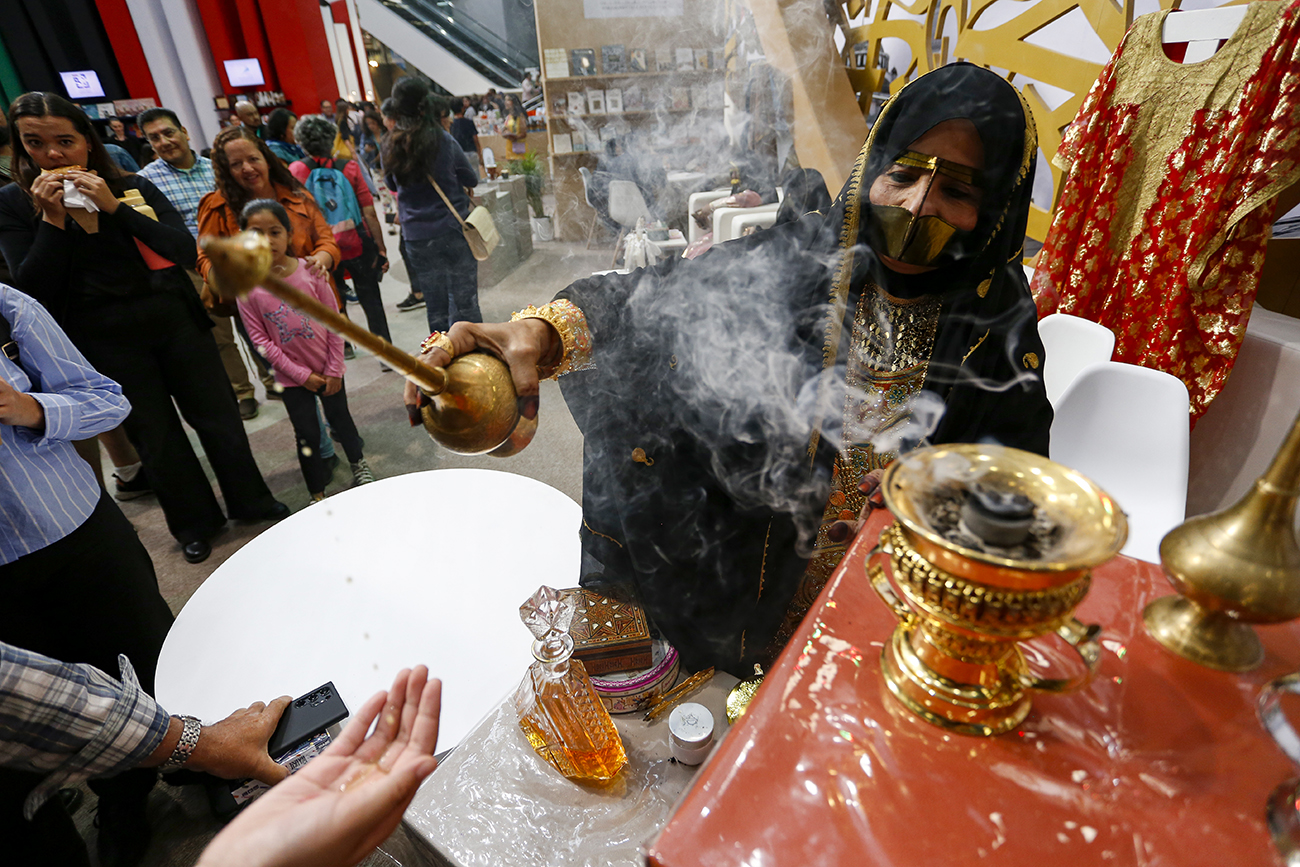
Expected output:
{"points": [[277, 512], [197, 552], [70, 799]]}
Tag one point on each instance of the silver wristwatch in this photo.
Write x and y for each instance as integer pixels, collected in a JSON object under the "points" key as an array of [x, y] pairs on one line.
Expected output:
{"points": [[185, 746]]}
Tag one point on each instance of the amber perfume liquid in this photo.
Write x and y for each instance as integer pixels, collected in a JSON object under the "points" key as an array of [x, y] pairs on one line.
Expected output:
{"points": [[566, 724]]}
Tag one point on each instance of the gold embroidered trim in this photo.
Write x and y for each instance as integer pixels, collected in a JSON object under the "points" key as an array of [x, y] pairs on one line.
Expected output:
{"points": [[600, 534], [1031, 360], [762, 569], [970, 351], [575, 337]]}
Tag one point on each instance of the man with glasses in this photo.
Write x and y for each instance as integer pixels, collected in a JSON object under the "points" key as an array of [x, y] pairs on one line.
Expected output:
{"points": [[185, 177]]}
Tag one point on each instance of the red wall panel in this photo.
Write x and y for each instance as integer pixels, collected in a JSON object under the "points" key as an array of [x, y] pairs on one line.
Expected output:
{"points": [[120, 28], [287, 36], [297, 39]]}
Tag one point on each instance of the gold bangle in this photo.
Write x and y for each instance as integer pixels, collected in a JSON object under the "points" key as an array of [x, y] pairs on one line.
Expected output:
{"points": [[575, 337], [438, 340]]}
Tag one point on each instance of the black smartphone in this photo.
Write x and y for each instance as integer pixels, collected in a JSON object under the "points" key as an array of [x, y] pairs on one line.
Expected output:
{"points": [[306, 716]]}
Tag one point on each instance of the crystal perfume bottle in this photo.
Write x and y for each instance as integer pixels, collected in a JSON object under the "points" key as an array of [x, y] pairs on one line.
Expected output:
{"points": [[559, 710]]}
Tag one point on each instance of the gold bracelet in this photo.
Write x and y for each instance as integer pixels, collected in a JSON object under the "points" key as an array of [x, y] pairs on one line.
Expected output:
{"points": [[575, 337], [438, 340]]}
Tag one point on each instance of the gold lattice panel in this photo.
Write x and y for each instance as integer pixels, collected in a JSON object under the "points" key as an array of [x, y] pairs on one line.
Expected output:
{"points": [[1002, 47]]}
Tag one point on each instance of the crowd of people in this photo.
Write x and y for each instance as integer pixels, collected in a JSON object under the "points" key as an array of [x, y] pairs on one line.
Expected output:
{"points": [[760, 389], [113, 335]]}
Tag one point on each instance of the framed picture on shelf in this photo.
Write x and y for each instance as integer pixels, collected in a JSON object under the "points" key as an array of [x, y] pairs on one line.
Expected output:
{"points": [[664, 61], [613, 60], [636, 60], [681, 99], [577, 102], [556, 62], [562, 143], [593, 140], [632, 100], [595, 101], [582, 61], [579, 142], [703, 58], [614, 100], [699, 95], [685, 59]]}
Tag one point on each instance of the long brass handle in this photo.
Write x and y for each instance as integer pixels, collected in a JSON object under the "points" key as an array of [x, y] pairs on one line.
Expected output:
{"points": [[242, 262], [880, 581], [1084, 638]]}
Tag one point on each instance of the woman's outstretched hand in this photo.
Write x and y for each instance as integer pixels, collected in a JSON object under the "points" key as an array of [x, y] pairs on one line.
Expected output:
{"points": [[347, 800], [522, 345]]}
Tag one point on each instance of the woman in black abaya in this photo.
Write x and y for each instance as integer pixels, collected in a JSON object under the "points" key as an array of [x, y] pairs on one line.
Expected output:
{"points": [[734, 408]]}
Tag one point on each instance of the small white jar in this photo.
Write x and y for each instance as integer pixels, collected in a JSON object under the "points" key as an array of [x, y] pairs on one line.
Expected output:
{"points": [[690, 733]]}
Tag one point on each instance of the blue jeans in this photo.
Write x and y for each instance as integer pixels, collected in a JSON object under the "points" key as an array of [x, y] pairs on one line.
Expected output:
{"points": [[444, 271]]}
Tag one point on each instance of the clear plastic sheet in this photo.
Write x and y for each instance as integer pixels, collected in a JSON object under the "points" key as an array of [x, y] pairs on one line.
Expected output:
{"points": [[1156, 762], [494, 801]]}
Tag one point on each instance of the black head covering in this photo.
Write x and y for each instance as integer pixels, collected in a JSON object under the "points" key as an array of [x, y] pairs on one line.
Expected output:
{"points": [[987, 339]]}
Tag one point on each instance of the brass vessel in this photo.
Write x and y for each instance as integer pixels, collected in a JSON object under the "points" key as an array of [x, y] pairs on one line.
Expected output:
{"points": [[472, 409], [1232, 568], [953, 658]]}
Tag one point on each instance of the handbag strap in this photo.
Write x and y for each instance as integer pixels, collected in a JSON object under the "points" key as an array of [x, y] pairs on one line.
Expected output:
{"points": [[455, 213]]}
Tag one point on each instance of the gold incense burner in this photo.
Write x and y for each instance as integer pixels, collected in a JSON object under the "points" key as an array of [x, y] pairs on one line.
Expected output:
{"points": [[991, 546], [473, 408], [1233, 568]]}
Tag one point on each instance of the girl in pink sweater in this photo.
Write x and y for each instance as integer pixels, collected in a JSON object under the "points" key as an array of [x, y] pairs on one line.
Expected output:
{"points": [[307, 357]]}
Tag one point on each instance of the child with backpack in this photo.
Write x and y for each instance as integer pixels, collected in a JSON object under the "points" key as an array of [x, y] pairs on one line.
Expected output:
{"points": [[307, 358], [344, 198]]}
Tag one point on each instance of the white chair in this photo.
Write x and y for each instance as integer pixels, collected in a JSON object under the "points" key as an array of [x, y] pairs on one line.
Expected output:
{"points": [[626, 206], [725, 227], [1127, 428], [1071, 343], [489, 161], [756, 217], [586, 193]]}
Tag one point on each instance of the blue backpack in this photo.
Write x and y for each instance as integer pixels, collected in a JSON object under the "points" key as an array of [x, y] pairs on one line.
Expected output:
{"points": [[338, 202]]}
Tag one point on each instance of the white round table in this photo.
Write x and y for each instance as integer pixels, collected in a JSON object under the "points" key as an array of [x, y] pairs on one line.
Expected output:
{"points": [[429, 568]]}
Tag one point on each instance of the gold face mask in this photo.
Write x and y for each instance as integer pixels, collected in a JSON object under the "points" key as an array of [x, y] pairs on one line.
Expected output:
{"points": [[900, 234]]}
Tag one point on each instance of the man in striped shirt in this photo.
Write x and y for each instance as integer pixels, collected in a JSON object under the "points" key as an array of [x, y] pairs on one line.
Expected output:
{"points": [[76, 583], [185, 177]]}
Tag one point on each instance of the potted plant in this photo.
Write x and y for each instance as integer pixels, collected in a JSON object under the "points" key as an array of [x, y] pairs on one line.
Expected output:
{"points": [[530, 167]]}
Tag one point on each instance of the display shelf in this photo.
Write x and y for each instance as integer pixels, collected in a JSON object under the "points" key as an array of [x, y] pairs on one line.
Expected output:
{"points": [[637, 113], [606, 77]]}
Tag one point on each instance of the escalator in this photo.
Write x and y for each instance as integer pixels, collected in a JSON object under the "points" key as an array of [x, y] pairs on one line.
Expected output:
{"points": [[446, 44]]}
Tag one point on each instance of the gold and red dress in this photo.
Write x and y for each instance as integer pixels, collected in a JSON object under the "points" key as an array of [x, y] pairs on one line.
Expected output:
{"points": [[1173, 173]]}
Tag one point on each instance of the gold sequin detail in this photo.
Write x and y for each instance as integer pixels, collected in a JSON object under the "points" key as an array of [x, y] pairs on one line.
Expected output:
{"points": [[1031, 360], [640, 457], [983, 289]]}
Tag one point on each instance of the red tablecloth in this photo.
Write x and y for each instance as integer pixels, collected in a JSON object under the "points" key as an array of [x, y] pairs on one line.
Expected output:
{"points": [[1157, 762]]}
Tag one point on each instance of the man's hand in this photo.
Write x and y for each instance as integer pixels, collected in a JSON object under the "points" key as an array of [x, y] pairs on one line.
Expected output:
{"points": [[332, 385], [20, 409], [522, 345], [315, 382], [96, 189], [349, 799], [47, 192], [235, 748]]}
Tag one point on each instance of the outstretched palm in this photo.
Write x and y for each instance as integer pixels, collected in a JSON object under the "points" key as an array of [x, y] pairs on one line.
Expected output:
{"points": [[347, 800]]}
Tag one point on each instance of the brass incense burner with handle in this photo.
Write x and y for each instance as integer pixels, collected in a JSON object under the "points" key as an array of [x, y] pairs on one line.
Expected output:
{"points": [[473, 407], [991, 546]]}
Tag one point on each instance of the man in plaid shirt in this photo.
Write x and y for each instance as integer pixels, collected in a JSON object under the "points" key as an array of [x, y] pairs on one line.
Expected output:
{"points": [[185, 177], [70, 723]]}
